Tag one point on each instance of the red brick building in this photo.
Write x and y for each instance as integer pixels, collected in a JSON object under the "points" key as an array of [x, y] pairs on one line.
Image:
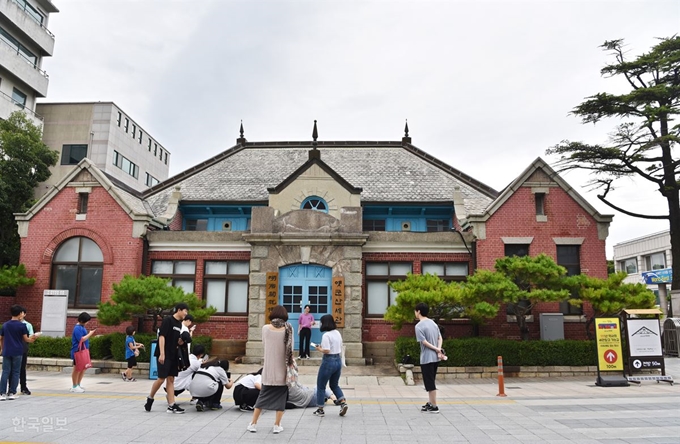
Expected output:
{"points": [[324, 224]]}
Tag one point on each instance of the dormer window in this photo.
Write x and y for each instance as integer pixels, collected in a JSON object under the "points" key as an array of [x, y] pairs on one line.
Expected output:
{"points": [[314, 203]]}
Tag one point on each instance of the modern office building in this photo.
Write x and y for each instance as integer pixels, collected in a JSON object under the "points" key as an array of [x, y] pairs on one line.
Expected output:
{"points": [[106, 135], [647, 259], [24, 41], [321, 223]]}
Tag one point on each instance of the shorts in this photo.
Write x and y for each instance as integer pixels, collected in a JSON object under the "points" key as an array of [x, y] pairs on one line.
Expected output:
{"points": [[168, 368], [132, 361], [429, 372]]}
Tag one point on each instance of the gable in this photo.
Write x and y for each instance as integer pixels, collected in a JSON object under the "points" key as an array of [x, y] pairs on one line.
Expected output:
{"points": [[312, 181]]}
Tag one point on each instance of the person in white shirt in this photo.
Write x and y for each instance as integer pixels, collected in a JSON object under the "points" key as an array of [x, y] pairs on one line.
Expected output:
{"points": [[186, 326], [246, 391], [183, 378], [331, 366], [208, 384]]}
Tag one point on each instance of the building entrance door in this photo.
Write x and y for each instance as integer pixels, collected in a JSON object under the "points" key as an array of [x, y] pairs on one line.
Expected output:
{"points": [[301, 285]]}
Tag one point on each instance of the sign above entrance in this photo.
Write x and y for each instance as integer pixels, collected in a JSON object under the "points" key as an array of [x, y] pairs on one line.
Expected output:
{"points": [[272, 289], [339, 301]]}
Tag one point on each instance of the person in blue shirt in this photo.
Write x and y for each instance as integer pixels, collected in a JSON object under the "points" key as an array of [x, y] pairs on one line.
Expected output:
{"points": [[80, 333], [131, 352], [13, 336], [24, 359]]}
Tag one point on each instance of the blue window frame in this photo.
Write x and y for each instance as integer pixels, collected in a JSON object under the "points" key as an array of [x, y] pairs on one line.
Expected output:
{"points": [[415, 218], [314, 203]]}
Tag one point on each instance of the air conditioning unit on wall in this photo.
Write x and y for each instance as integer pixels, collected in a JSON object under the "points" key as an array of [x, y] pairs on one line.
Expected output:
{"points": [[226, 225], [406, 226]]}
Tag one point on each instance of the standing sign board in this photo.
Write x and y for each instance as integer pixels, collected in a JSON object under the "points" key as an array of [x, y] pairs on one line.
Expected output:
{"points": [[609, 353], [644, 345], [54, 307]]}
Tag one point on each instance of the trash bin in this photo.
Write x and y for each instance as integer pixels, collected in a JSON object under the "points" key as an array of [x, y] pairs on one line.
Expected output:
{"points": [[671, 336], [153, 363]]}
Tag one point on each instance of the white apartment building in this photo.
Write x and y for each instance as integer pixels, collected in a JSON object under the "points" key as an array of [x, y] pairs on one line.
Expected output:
{"points": [[110, 138], [24, 41], [647, 259]]}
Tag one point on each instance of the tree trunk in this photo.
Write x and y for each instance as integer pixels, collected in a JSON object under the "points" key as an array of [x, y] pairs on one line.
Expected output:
{"points": [[521, 317], [674, 222]]}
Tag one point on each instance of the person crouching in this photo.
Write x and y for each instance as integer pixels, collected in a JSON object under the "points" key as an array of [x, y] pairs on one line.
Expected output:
{"points": [[208, 384]]}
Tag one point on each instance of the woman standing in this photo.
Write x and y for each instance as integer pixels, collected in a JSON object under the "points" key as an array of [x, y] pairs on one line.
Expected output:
{"points": [[331, 366], [80, 336], [277, 339], [305, 323]]}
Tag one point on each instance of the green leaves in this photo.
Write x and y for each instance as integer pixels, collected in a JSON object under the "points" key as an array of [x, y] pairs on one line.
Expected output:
{"points": [[14, 277], [139, 296], [24, 163]]}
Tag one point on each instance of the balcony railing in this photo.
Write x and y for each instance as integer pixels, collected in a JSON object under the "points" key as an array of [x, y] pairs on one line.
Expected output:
{"points": [[22, 107], [24, 6], [18, 52]]}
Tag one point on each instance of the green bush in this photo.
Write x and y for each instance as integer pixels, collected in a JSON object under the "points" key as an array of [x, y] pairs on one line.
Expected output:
{"points": [[102, 347], [484, 352], [46, 347]]}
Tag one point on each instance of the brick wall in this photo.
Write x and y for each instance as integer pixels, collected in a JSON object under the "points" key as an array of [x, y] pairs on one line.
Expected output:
{"points": [[517, 218], [107, 224]]}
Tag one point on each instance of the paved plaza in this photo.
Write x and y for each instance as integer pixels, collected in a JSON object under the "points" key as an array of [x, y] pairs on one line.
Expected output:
{"points": [[381, 410]]}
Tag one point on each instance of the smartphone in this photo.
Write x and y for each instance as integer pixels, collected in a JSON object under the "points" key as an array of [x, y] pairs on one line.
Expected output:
{"points": [[311, 344], [37, 333]]}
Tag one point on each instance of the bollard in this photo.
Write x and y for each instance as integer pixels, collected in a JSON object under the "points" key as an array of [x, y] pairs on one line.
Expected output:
{"points": [[501, 381]]}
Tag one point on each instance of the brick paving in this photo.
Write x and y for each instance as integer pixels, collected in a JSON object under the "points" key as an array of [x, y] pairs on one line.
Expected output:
{"points": [[381, 409]]}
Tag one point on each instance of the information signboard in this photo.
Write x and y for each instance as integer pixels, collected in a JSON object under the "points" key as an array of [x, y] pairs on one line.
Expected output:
{"points": [[644, 343], [339, 301], [609, 350]]}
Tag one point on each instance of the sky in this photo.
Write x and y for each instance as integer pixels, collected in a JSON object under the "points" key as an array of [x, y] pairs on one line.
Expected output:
{"points": [[486, 86]]}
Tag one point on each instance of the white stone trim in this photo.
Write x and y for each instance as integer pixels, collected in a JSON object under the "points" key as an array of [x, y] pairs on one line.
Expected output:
{"points": [[393, 247], [568, 240], [517, 240], [199, 246]]}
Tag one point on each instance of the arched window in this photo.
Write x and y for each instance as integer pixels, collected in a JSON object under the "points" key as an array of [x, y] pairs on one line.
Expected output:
{"points": [[78, 266], [314, 203]]}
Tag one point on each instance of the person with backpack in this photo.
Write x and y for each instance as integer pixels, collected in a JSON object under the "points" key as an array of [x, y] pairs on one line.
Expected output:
{"points": [[208, 384], [167, 353]]}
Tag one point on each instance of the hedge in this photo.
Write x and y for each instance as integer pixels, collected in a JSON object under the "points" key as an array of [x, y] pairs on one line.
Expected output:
{"points": [[484, 352], [101, 347]]}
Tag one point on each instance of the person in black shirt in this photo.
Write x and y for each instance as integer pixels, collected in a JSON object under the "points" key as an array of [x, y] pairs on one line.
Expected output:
{"points": [[169, 340]]}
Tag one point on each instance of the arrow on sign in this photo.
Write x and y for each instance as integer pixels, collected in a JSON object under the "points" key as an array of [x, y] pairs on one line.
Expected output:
{"points": [[610, 356]]}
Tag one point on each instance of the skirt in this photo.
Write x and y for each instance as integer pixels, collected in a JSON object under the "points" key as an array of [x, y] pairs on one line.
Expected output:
{"points": [[272, 397]]}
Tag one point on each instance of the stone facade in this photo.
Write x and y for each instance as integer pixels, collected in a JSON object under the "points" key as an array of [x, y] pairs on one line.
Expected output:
{"points": [[306, 237]]}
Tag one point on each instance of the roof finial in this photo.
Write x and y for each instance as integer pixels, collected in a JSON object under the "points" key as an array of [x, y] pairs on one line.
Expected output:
{"points": [[242, 130], [406, 138], [315, 134], [314, 153], [241, 140]]}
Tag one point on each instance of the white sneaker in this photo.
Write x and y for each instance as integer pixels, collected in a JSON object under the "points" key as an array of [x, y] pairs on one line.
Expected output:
{"points": [[77, 389], [3, 397], [252, 428], [193, 401], [11, 397], [277, 429]]}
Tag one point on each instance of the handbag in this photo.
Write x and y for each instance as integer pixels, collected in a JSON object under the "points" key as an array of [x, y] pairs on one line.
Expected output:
{"points": [[82, 357], [136, 352], [292, 374]]}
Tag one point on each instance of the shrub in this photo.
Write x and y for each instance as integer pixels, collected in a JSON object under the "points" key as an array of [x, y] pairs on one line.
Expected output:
{"points": [[484, 352], [102, 346], [46, 347]]}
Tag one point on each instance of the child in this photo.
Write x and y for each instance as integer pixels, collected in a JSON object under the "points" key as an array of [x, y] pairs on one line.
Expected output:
{"points": [[131, 353], [80, 334]]}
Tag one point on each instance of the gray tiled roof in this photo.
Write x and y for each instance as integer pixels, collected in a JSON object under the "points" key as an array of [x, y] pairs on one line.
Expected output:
{"points": [[387, 172]]}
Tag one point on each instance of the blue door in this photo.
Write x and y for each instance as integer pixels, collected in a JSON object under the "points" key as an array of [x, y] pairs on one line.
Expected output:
{"points": [[301, 285]]}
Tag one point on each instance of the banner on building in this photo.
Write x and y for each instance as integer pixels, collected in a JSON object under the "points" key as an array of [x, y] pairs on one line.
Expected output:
{"points": [[272, 292], [339, 301]]}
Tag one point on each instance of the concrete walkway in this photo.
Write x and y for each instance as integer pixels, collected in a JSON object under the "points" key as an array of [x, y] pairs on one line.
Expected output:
{"points": [[381, 410]]}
